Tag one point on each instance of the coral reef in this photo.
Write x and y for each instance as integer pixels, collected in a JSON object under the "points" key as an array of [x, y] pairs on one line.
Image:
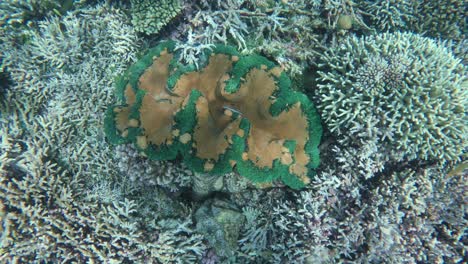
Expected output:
{"points": [[63, 194], [220, 222], [237, 111], [441, 19], [391, 15], [438, 18], [68, 196], [291, 32], [407, 91], [170, 175], [341, 217], [44, 218], [23, 12], [150, 16], [277, 228]]}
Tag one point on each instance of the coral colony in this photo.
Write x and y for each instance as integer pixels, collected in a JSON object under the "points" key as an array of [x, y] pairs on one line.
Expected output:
{"points": [[234, 131]]}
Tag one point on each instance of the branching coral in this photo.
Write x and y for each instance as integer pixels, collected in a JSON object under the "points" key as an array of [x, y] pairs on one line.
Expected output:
{"points": [[144, 172], [45, 215], [286, 227], [23, 12], [403, 216], [412, 216], [59, 195], [406, 91], [441, 19], [391, 15], [236, 111], [436, 18], [286, 30]]}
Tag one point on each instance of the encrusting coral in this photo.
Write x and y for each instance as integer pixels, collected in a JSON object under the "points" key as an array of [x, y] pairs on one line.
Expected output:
{"points": [[236, 111]]}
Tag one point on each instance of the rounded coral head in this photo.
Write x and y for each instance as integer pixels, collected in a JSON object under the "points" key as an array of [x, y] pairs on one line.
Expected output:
{"points": [[404, 91]]}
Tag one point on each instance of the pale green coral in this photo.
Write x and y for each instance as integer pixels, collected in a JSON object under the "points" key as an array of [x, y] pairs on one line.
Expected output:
{"points": [[436, 18], [442, 19], [407, 91], [15, 12], [390, 14], [150, 16]]}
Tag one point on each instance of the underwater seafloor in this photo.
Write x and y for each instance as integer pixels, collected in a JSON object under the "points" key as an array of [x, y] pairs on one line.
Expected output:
{"points": [[388, 80]]}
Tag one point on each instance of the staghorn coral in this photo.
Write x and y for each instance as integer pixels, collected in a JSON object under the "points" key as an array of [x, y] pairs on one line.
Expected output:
{"points": [[427, 208], [391, 15], [336, 10], [441, 19], [45, 217], [292, 33], [287, 227], [401, 214], [287, 31], [460, 49], [406, 91], [405, 217], [170, 175], [235, 112], [26, 12], [149, 16], [444, 19]]}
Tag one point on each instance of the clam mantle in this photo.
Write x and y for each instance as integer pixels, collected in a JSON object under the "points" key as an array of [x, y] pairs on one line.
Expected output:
{"points": [[234, 112]]}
